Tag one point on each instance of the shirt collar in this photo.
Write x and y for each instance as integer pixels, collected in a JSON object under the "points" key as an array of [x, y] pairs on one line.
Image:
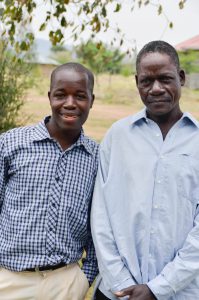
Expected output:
{"points": [[188, 116], [141, 115], [40, 132]]}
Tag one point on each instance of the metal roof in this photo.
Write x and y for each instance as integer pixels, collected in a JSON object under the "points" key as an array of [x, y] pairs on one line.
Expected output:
{"points": [[190, 44]]}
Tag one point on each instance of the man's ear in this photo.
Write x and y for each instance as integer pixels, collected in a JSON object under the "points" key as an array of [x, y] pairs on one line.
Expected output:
{"points": [[182, 77], [93, 98], [136, 79]]}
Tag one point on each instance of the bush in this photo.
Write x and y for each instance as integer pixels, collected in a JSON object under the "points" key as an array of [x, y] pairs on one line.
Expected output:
{"points": [[13, 84]]}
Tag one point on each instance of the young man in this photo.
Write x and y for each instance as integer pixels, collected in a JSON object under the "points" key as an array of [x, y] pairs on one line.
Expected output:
{"points": [[145, 212], [47, 175]]}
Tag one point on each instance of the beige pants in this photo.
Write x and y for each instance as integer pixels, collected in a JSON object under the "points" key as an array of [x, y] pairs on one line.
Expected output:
{"points": [[67, 283]]}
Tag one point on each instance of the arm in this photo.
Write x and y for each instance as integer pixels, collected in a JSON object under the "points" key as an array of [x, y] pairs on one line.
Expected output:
{"points": [[90, 267], [2, 170], [177, 274], [115, 274]]}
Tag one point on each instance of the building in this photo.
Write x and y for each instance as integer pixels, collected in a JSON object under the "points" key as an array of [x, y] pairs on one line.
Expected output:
{"points": [[192, 80]]}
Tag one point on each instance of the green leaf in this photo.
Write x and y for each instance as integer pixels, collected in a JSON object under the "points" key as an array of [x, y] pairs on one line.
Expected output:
{"points": [[42, 27], [118, 7], [63, 22], [159, 9], [1, 12], [24, 46], [181, 4], [104, 13], [99, 45]]}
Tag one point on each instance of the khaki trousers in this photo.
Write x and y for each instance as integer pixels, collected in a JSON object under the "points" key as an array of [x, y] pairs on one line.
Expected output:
{"points": [[67, 283]]}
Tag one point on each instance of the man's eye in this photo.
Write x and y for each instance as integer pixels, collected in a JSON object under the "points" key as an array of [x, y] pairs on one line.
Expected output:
{"points": [[59, 96], [166, 79], [81, 96], [145, 81]]}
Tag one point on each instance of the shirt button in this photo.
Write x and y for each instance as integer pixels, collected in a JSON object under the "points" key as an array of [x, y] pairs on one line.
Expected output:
{"points": [[161, 156], [152, 231], [158, 181], [155, 206], [157, 134]]}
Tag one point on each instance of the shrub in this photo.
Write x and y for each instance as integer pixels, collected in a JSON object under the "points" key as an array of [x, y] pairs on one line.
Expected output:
{"points": [[13, 84]]}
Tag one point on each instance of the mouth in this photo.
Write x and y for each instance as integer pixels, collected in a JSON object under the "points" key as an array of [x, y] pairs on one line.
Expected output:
{"points": [[156, 101], [69, 116]]}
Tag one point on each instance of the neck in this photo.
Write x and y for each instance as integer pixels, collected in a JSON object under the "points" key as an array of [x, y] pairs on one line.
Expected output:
{"points": [[64, 138], [165, 122]]}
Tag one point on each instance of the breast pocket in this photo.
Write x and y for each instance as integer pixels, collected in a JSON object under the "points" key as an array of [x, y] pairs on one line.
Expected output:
{"points": [[187, 177]]}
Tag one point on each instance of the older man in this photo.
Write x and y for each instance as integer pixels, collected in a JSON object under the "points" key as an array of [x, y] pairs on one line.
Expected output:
{"points": [[145, 213]]}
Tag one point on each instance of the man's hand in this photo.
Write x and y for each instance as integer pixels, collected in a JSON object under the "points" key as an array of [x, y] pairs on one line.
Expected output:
{"points": [[138, 292]]}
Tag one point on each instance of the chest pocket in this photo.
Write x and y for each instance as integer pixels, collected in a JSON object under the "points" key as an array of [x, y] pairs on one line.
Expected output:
{"points": [[187, 177]]}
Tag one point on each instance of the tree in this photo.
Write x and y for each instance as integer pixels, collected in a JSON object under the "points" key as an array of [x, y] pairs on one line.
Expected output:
{"points": [[61, 54], [100, 59], [77, 15], [189, 61], [13, 83]]}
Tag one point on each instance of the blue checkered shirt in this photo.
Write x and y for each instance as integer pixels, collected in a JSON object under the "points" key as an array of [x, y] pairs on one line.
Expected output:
{"points": [[45, 197]]}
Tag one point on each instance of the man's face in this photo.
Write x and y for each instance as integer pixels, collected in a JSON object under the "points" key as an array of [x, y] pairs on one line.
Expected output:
{"points": [[159, 84], [70, 100]]}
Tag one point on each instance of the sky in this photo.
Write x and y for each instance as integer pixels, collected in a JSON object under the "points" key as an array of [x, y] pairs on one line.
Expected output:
{"points": [[143, 25]]}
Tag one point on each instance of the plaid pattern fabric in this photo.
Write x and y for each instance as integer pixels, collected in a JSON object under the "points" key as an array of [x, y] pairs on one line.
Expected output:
{"points": [[45, 197]]}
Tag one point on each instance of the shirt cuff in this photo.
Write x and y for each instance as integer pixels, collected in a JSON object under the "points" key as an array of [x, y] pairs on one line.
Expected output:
{"points": [[160, 288], [122, 285], [90, 271]]}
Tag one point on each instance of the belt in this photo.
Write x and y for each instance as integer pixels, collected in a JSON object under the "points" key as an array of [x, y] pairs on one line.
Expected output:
{"points": [[46, 268]]}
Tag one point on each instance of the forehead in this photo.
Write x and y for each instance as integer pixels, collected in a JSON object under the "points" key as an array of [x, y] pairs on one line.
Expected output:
{"points": [[70, 77], [156, 61]]}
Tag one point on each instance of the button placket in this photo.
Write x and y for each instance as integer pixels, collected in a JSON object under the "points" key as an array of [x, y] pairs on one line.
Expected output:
{"points": [[53, 206]]}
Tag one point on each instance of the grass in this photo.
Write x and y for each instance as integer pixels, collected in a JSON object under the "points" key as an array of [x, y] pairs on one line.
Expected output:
{"points": [[116, 97]]}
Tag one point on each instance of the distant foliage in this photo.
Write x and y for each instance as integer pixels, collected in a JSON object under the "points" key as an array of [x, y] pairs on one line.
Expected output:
{"points": [[78, 16], [100, 58], [61, 54], [13, 83], [189, 61]]}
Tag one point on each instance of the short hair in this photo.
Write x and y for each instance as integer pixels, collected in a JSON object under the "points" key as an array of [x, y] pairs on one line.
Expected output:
{"points": [[76, 67], [161, 47]]}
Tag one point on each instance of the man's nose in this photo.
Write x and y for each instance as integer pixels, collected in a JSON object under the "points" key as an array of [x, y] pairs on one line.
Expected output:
{"points": [[69, 102], [156, 87]]}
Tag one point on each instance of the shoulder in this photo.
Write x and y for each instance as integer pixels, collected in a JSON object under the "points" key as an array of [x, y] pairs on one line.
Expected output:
{"points": [[120, 125], [16, 135], [117, 131], [93, 146]]}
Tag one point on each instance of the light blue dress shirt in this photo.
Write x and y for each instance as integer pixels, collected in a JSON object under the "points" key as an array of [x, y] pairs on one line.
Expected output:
{"points": [[145, 213]]}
